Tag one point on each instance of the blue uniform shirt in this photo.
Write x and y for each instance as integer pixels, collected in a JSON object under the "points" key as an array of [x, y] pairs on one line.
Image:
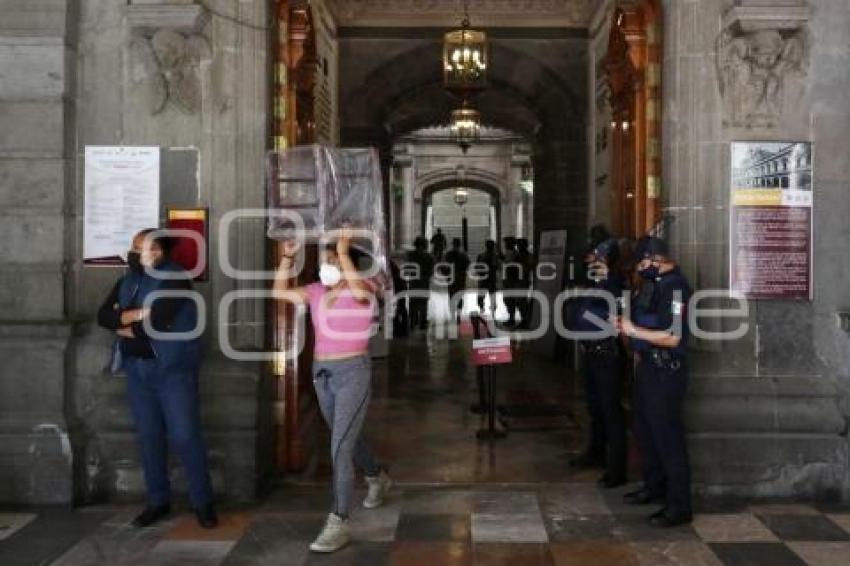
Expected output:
{"points": [[598, 305], [667, 309]]}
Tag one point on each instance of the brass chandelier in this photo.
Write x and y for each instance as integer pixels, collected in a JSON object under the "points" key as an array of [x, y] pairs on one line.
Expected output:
{"points": [[465, 62]]}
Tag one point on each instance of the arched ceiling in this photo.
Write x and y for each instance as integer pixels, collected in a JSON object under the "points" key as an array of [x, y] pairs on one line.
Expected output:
{"points": [[445, 13], [405, 93]]}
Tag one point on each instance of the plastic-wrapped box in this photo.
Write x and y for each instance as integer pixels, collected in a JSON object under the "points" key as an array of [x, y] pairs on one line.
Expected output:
{"points": [[329, 189]]}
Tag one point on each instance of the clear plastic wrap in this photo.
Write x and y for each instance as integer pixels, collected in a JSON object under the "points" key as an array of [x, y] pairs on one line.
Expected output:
{"points": [[329, 189]]}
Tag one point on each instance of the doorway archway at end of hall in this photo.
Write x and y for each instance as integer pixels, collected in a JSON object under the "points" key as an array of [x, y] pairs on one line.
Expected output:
{"points": [[481, 212]]}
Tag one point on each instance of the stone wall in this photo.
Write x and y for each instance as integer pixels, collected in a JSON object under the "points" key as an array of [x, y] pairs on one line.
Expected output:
{"points": [[37, 176], [86, 72], [766, 411]]}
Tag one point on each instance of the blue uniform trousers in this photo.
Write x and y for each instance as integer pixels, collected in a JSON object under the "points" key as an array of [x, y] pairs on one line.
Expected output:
{"points": [[659, 399], [165, 408]]}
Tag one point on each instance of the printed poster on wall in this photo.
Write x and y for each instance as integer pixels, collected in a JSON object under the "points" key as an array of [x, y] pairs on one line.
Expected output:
{"points": [[771, 220], [121, 198]]}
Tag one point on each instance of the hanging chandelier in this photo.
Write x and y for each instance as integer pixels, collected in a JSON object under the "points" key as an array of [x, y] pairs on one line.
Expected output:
{"points": [[461, 196], [465, 58], [466, 126]]}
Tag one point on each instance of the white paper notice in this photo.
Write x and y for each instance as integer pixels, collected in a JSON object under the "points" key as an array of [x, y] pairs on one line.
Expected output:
{"points": [[121, 198]]}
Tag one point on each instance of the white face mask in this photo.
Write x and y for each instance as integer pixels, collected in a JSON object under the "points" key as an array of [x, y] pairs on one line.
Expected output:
{"points": [[329, 274]]}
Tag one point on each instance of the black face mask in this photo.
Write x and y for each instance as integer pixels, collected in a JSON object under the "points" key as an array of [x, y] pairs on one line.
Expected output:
{"points": [[134, 262]]}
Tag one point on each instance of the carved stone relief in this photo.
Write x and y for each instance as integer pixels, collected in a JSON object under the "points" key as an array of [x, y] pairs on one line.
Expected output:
{"points": [[166, 65], [761, 74]]}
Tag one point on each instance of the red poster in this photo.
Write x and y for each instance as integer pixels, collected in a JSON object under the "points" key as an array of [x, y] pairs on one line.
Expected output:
{"points": [[185, 252]]}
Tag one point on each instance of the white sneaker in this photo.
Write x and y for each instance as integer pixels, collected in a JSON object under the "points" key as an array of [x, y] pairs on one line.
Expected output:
{"points": [[378, 488], [335, 534]]}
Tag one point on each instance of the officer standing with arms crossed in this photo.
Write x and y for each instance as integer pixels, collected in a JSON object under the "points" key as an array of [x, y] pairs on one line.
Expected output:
{"points": [[659, 335]]}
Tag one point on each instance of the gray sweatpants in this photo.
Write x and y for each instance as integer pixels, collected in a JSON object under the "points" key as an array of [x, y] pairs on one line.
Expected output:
{"points": [[344, 388]]}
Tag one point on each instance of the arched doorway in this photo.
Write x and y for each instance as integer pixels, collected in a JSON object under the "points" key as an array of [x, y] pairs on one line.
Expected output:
{"points": [[480, 211], [633, 67]]}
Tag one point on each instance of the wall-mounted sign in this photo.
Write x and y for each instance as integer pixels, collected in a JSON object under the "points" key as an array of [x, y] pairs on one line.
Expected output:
{"points": [[771, 220], [121, 198], [190, 252]]}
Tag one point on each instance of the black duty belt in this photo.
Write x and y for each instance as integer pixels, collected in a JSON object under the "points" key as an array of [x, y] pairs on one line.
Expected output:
{"points": [[664, 358], [606, 346]]}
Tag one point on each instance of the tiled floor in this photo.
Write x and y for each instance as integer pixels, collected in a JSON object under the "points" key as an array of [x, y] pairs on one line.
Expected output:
{"points": [[458, 501], [517, 527]]}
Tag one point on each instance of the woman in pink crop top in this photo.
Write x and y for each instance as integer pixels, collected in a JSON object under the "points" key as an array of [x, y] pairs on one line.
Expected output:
{"points": [[342, 307]]}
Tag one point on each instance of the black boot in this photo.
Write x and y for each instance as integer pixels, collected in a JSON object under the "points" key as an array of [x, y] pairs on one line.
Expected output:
{"points": [[207, 517], [151, 515]]}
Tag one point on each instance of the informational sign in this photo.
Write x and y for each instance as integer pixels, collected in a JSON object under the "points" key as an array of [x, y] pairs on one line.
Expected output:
{"points": [[491, 351], [121, 198], [551, 263], [188, 252], [771, 221]]}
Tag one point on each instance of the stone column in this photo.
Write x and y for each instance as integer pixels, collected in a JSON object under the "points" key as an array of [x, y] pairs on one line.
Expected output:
{"points": [[37, 104], [763, 410], [408, 220]]}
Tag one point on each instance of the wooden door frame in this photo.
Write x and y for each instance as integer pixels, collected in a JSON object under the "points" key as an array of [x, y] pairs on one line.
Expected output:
{"points": [[633, 68], [296, 415]]}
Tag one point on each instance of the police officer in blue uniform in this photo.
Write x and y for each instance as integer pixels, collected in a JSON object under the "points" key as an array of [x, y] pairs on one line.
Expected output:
{"points": [[603, 364], [162, 375], [658, 333]]}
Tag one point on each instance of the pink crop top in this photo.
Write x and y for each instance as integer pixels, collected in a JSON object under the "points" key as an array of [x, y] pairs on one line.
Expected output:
{"points": [[343, 328]]}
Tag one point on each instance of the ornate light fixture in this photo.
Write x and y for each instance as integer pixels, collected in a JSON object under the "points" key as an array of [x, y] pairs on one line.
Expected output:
{"points": [[465, 58], [466, 126], [461, 196]]}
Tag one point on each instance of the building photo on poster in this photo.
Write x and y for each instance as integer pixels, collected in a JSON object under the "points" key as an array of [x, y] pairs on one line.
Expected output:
{"points": [[771, 220]]}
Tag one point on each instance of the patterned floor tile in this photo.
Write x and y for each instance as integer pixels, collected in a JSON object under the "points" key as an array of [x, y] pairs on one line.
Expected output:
{"points": [[574, 500], [822, 553], [414, 553], [805, 528], [592, 554], [438, 502], [376, 525], [206, 553], [756, 554], [231, 527], [355, 554], [635, 528], [842, 520], [578, 529], [511, 555], [50, 535], [514, 527], [433, 528], [732, 528], [783, 509], [10, 523], [503, 502], [677, 553], [280, 540], [112, 545]]}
